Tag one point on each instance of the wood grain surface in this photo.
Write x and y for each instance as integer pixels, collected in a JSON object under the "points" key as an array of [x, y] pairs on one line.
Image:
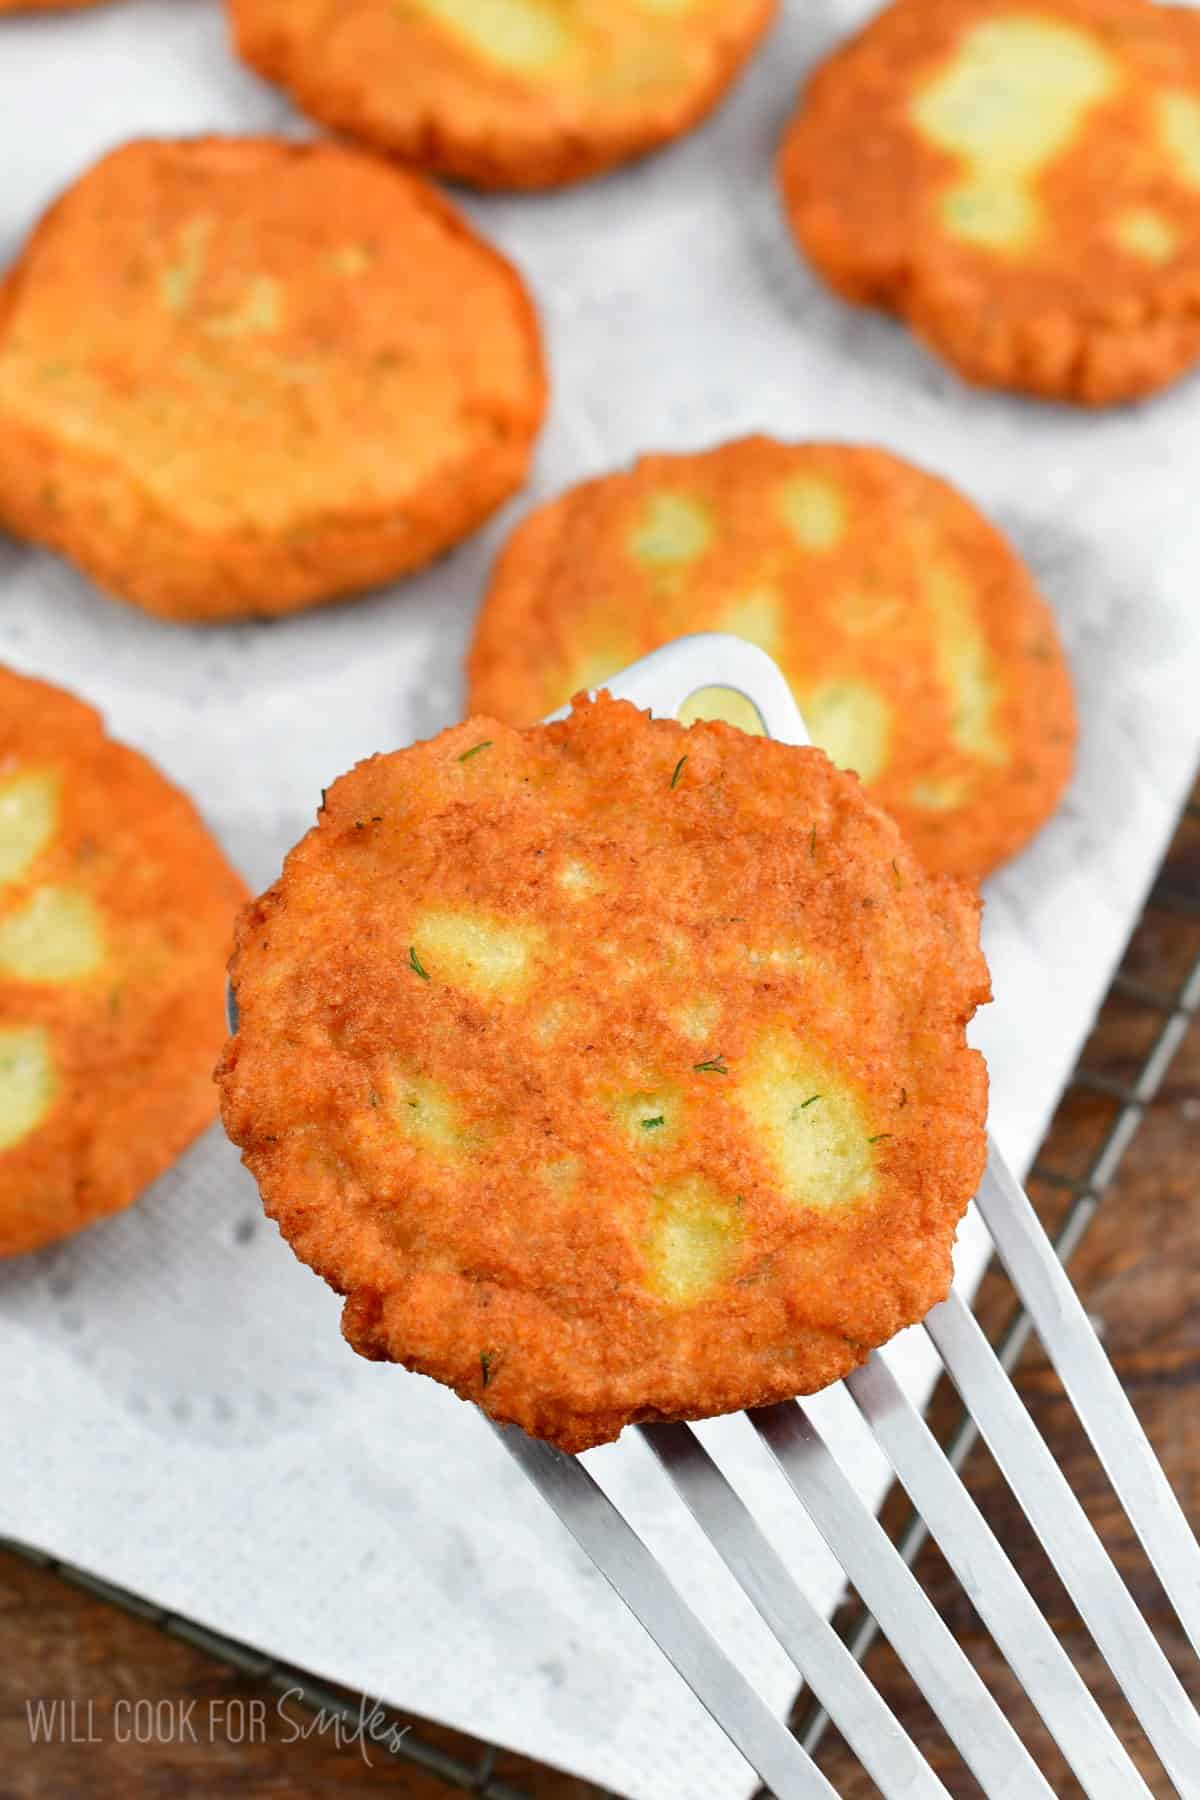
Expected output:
{"points": [[1139, 1271]]}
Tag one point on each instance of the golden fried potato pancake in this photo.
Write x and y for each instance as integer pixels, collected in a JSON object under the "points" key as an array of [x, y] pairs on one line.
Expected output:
{"points": [[913, 638], [242, 375], [116, 915], [504, 93], [1022, 184], [611, 1071]]}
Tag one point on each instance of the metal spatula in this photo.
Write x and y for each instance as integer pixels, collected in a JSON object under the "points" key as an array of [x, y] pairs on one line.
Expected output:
{"points": [[986, 1740]]}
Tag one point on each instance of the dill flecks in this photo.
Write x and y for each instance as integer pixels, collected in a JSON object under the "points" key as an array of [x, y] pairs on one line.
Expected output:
{"points": [[879, 1137], [897, 874], [486, 1358], [714, 1066], [414, 963], [812, 1099], [678, 770], [653, 1124], [475, 749]]}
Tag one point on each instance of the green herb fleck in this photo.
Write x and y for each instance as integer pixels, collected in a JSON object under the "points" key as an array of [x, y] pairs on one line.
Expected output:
{"points": [[414, 963], [897, 874], [374, 1097], [879, 1137], [678, 770], [812, 1099], [653, 1124], [324, 798], [474, 751], [486, 1358], [360, 824], [714, 1066]]}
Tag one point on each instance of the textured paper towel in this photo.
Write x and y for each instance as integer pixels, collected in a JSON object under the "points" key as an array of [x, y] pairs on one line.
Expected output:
{"points": [[178, 1411]]}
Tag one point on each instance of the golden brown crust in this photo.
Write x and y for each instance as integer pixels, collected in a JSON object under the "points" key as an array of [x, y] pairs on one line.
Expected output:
{"points": [[112, 943], [611, 1072], [1063, 260], [975, 743], [241, 376], [572, 91]]}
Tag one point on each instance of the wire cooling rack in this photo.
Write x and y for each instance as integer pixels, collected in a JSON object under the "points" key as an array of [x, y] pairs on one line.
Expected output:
{"points": [[1174, 898]]}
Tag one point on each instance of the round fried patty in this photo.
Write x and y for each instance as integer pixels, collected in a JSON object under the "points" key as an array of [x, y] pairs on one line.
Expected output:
{"points": [[912, 636], [504, 93], [1021, 183], [611, 1071], [116, 916], [239, 376]]}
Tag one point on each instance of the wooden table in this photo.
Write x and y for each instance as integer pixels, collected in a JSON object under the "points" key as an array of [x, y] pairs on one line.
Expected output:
{"points": [[1139, 1270]]}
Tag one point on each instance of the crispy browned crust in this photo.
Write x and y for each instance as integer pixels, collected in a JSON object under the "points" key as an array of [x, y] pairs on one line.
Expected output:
{"points": [[241, 376], [1078, 318], [414, 87], [566, 596], [652, 872], [133, 1040]]}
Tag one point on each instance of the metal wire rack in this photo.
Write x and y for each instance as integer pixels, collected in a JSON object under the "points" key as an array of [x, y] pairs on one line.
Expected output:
{"points": [[1085, 1192]]}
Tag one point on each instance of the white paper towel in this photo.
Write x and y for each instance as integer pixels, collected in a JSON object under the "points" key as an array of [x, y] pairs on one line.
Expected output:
{"points": [[178, 1411]]}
